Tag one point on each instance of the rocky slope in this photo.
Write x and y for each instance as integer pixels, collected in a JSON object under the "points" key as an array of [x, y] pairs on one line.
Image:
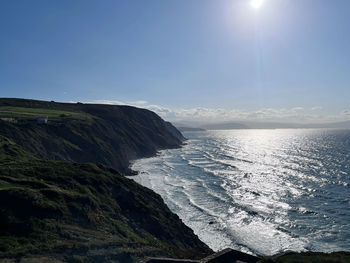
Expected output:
{"points": [[107, 134], [83, 213]]}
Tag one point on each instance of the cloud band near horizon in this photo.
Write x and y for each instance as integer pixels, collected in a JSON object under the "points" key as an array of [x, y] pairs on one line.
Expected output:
{"points": [[199, 115]]}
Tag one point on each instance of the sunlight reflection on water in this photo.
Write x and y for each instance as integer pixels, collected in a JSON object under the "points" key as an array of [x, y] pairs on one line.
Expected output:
{"points": [[264, 191]]}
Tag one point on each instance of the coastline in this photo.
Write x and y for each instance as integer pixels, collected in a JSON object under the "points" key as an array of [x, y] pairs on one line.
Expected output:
{"points": [[80, 205], [229, 255], [65, 190], [163, 172]]}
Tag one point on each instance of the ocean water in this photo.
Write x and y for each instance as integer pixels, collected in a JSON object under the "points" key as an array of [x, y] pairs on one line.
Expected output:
{"points": [[258, 191]]}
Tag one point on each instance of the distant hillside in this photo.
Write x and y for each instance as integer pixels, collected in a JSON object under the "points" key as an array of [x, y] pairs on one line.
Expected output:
{"points": [[339, 125], [184, 129], [225, 126], [107, 134], [87, 211], [273, 125]]}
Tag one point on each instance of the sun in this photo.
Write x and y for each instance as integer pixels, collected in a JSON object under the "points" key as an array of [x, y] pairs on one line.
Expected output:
{"points": [[256, 4]]}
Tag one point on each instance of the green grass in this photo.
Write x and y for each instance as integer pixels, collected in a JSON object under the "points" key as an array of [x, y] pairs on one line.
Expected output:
{"points": [[47, 205], [32, 113], [107, 134], [11, 153]]}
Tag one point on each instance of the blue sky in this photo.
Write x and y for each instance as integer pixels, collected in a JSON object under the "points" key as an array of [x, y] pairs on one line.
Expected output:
{"points": [[182, 58]]}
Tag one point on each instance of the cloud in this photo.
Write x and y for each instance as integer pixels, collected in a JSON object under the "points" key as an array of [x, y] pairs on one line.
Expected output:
{"points": [[346, 112], [216, 115], [117, 102], [201, 114], [296, 109], [108, 102], [138, 102], [212, 115]]}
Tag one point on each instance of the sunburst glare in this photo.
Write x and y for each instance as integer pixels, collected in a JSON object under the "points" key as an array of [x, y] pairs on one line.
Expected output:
{"points": [[256, 4]]}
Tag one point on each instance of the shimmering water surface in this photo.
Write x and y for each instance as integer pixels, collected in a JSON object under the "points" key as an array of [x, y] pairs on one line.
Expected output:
{"points": [[259, 191]]}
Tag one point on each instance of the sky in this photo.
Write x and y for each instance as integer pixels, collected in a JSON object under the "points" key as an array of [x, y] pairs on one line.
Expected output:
{"points": [[200, 60]]}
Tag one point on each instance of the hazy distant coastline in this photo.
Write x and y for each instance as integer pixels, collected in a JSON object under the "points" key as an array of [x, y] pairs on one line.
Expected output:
{"points": [[190, 126]]}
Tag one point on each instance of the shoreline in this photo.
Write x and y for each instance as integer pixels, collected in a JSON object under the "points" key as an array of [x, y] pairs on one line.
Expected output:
{"points": [[147, 177], [290, 256]]}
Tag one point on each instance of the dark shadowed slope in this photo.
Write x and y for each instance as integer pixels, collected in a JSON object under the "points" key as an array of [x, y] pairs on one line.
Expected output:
{"points": [[107, 134], [65, 209]]}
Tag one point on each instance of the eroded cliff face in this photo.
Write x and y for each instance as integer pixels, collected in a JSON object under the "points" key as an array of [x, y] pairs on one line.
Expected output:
{"points": [[62, 195], [107, 134], [65, 210]]}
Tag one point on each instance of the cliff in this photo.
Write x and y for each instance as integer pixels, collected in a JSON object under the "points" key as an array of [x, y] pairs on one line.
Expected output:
{"points": [[90, 212], [107, 134], [61, 195], [63, 200]]}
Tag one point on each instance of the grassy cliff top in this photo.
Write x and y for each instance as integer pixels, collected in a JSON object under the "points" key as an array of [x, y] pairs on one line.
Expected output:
{"points": [[32, 113], [108, 134]]}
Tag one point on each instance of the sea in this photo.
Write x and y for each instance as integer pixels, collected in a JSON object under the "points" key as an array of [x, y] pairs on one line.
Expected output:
{"points": [[258, 191]]}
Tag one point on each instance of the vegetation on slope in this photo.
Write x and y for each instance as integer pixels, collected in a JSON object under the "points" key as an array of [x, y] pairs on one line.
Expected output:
{"points": [[107, 134], [24, 113], [48, 206]]}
